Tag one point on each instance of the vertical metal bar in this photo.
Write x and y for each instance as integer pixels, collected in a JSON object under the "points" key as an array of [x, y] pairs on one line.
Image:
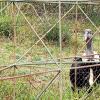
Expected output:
{"points": [[14, 40], [14, 30], [45, 14], [75, 48], [14, 89], [76, 27], [60, 41]]}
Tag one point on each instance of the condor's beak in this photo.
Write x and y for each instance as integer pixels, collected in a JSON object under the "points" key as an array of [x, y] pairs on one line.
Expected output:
{"points": [[87, 36]]}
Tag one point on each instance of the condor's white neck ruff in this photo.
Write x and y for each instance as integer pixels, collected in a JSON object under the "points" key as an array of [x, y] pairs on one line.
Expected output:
{"points": [[91, 55]]}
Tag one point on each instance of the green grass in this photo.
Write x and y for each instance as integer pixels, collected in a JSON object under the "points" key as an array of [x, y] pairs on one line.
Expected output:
{"points": [[23, 90], [25, 39]]}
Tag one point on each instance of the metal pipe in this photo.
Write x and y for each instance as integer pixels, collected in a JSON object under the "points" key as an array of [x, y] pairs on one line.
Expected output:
{"points": [[27, 75], [47, 63], [48, 1]]}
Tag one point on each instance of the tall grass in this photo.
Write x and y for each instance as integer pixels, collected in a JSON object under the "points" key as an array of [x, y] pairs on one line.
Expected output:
{"points": [[25, 39]]}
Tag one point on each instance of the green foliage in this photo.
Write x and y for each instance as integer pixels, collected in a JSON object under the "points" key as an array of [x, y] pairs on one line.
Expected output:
{"points": [[6, 27], [96, 19], [6, 89], [22, 91], [26, 37], [53, 35]]}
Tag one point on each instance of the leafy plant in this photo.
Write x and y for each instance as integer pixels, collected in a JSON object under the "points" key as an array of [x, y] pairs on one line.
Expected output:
{"points": [[6, 27], [53, 35]]}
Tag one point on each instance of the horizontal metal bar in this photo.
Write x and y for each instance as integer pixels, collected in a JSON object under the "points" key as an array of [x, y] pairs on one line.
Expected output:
{"points": [[86, 66], [55, 1], [65, 68], [64, 61], [51, 62], [88, 3], [27, 75], [16, 1]]}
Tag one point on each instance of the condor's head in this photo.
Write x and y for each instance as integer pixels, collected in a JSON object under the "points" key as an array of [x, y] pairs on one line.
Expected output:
{"points": [[88, 35]]}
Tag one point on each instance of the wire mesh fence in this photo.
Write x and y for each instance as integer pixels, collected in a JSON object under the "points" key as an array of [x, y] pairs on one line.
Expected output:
{"points": [[36, 59]]}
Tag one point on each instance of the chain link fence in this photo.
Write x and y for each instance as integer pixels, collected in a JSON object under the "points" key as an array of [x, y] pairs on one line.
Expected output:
{"points": [[34, 62]]}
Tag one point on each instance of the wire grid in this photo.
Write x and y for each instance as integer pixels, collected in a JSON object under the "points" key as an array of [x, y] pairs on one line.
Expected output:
{"points": [[27, 50]]}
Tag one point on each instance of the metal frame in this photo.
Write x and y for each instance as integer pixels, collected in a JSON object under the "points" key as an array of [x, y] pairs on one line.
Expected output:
{"points": [[56, 1], [58, 64]]}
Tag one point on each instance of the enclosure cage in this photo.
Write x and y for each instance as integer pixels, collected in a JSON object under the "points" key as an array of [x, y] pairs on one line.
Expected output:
{"points": [[38, 41]]}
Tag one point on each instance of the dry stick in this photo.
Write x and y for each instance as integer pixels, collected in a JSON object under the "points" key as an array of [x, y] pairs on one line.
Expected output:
{"points": [[46, 87], [84, 96], [36, 42]]}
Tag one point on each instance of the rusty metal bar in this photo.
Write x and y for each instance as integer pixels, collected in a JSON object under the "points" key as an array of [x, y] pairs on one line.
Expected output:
{"points": [[27, 75]]}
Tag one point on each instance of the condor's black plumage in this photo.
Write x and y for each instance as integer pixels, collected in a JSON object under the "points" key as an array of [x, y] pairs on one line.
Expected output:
{"points": [[81, 76], [96, 73], [85, 77]]}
